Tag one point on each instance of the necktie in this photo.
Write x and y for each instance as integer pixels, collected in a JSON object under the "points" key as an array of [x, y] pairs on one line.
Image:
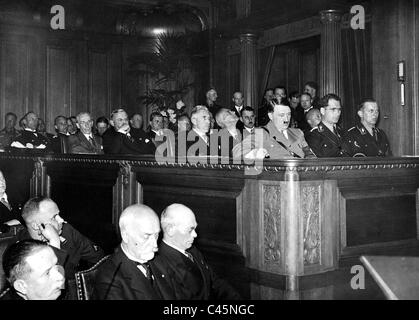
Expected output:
{"points": [[335, 131], [374, 132], [189, 256], [6, 203], [147, 270], [129, 137], [92, 141]]}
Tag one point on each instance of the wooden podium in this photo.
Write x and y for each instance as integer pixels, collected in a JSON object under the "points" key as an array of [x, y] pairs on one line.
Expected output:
{"points": [[398, 277]]}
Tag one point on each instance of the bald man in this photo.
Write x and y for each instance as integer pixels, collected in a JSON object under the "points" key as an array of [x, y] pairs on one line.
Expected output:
{"points": [[194, 279], [130, 273]]}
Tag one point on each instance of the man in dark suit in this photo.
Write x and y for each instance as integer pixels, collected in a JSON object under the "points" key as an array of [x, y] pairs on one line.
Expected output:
{"points": [[131, 273], [326, 139], [238, 107], [43, 222], [248, 118], [194, 279], [9, 132], [210, 103], [29, 138], [136, 124], [84, 141], [118, 140], [8, 216], [301, 112], [198, 140], [229, 135], [59, 142], [32, 270]]}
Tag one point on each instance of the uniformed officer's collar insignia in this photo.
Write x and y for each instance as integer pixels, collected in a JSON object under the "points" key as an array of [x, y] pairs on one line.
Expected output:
{"points": [[315, 128], [321, 128], [356, 144], [362, 129]]}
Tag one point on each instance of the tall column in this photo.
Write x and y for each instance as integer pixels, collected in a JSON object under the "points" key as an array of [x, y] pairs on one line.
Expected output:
{"points": [[243, 8], [248, 69], [331, 53]]}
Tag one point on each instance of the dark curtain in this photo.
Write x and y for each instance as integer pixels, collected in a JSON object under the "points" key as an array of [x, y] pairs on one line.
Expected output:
{"points": [[357, 71]]}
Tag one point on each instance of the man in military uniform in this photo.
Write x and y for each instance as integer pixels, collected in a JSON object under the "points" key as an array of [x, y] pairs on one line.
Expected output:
{"points": [[29, 138], [278, 141], [365, 139], [326, 139], [9, 133]]}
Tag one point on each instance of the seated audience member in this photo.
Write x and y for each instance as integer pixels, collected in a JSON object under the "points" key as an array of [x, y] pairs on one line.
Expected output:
{"points": [[72, 125], [183, 123], [156, 128], [229, 135], [278, 140], [310, 87], [8, 216], [365, 139], [118, 140], [85, 141], [313, 117], [198, 141], [59, 142], [136, 124], [32, 271], [294, 103], [9, 132], [302, 110], [326, 139], [131, 273], [193, 278], [102, 124], [172, 116], [263, 118], [42, 129], [238, 107], [248, 118], [43, 222], [28, 138]]}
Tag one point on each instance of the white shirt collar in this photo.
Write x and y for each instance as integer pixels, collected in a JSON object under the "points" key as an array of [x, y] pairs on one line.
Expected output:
{"points": [[202, 135], [88, 136], [249, 130], [30, 130], [5, 197]]}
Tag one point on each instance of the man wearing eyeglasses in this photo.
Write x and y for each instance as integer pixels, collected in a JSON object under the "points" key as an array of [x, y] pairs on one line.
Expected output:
{"points": [[43, 222], [326, 139], [84, 141]]}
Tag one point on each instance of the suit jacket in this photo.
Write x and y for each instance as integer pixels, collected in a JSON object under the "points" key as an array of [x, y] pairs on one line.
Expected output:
{"points": [[36, 139], [6, 214], [118, 278], [358, 140], [300, 118], [239, 124], [193, 280], [227, 150], [325, 143], [59, 143], [277, 145], [78, 143], [199, 146], [119, 143], [74, 248]]}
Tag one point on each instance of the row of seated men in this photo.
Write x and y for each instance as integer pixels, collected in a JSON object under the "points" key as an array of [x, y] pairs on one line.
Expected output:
{"points": [[42, 262], [314, 134]]}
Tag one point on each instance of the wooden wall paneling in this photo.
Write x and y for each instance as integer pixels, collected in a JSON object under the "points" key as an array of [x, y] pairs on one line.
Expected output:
{"points": [[61, 82], [416, 77], [14, 82], [82, 76], [99, 87], [393, 33], [115, 81], [292, 71]]}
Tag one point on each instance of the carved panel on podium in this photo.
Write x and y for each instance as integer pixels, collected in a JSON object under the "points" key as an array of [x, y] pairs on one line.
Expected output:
{"points": [[272, 226], [310, 200]]}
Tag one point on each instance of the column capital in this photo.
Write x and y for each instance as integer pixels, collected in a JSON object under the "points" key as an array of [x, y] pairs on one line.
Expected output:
{"points": [[331, 16], [248, 37]]}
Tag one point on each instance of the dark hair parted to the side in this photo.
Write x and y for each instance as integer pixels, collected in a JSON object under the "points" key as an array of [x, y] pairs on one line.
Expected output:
{"points": [[311, 84], [14, 258], [364, 101], [102, 119], [324, 102], [250, 109], [276, 102], [10, 114], [155, 114]]}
